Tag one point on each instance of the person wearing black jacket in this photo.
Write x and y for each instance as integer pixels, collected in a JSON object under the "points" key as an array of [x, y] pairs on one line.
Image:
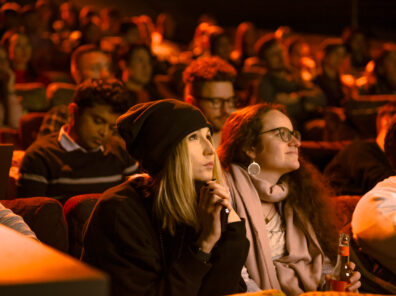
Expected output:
{"points": [[160, 233]]}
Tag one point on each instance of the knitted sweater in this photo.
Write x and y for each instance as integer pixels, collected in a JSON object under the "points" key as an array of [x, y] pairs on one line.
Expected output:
{"points": [[49, 168]]}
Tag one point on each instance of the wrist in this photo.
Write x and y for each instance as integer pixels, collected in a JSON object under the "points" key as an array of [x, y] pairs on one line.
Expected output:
{"points": [[200, 253]]}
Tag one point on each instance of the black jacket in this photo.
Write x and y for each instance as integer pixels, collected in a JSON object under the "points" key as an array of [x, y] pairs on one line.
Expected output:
{"points": [[124, 240]]}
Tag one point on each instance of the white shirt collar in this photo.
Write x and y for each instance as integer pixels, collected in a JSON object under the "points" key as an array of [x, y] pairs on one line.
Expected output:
{"points": [[69, 144]]}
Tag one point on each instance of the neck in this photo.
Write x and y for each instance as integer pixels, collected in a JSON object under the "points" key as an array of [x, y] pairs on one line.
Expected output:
{"points": [[271, 177]]}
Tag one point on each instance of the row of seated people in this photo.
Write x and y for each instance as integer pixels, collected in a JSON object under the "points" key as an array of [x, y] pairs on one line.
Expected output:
{"points": [[208, 89], [78, 209], [303, 99]]}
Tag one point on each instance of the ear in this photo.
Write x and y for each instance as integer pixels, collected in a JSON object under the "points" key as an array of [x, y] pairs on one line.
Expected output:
{"points": [[190, 99], [250, 152], [72, 111]]}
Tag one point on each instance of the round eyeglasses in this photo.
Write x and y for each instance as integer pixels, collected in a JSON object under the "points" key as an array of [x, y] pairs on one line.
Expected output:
{"points": [[218, 103], [285, 134]]}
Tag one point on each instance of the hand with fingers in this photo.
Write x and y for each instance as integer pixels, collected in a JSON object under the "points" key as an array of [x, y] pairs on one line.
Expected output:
{"points": [[213, 198], [354, 281]]}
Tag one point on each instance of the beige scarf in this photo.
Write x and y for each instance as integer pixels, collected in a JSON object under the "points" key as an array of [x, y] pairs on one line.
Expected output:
{"points": [[300, 269]]}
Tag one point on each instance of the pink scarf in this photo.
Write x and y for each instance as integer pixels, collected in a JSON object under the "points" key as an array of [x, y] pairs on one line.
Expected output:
{"points": [[300, 270]]}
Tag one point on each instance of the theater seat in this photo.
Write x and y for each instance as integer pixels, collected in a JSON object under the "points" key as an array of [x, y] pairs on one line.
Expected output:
{"points": [[77, 211], [59, 93], [29, 126], [33, 96], [45, 217]]}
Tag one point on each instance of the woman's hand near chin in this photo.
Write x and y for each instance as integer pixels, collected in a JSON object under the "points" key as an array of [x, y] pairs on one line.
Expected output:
{"points": [[213, 198]]}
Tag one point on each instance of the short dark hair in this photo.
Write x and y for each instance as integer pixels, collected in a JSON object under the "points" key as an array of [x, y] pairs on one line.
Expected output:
{"points": [[111, 92], [390, 143], [204, 70], [263, 45]]}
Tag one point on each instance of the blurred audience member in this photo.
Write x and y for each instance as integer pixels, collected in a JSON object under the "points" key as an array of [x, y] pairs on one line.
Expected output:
{"points": [[302, 66], [9, 17], [301, 98], [357, 46], [385, 73], [111, 21], [68, 14], [219, 43], [374, 219], [361, 165], [20, 55], [83, 157], [87, 62], [10, 107], [245, 38], [209, 86], [137, 69], [329, 80]]}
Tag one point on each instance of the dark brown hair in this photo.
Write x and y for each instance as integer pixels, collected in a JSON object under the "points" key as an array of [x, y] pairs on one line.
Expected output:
{"points": [[241, 130], [308, 191]]}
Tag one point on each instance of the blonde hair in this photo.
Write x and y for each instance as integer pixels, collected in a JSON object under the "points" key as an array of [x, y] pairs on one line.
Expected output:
{"points": [[176, 200]]}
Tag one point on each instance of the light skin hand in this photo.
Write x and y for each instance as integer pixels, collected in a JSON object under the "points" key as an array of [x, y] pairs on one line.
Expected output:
{"points": [[354, 281], [213, 197]]}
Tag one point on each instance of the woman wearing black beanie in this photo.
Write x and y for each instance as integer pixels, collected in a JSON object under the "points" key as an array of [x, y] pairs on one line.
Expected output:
{"points": [[160, 233]]}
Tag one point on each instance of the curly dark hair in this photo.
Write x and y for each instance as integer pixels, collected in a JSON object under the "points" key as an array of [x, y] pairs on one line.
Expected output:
{"points": [[206, 69], [307, 189], [111, 92]]}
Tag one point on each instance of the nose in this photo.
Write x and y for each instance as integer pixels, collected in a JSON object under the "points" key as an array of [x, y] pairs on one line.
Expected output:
{"points": [[295, 142], [226, 108], [208, 148], [104, 131]]}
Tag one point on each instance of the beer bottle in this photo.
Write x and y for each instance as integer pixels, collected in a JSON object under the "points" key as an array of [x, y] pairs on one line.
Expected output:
{"points": [[341, 273]]}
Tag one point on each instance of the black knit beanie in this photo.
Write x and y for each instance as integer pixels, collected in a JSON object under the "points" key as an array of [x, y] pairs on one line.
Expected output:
{"points": [[151, 130]]}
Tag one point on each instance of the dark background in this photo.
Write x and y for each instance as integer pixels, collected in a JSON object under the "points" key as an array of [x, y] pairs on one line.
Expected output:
{"points": [[376, 17]]}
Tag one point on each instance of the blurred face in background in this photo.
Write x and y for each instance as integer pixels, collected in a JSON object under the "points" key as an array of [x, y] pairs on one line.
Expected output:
{"points": [[274, 58], [93, 64], [222, 48], [139, 68], [20, 49]]}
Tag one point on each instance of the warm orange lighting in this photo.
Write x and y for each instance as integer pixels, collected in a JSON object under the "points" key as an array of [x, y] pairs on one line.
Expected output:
{"points": [[348, 80]]}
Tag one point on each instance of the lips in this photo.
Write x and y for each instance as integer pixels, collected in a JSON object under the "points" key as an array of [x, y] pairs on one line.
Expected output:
{"points": [[209, 165]]}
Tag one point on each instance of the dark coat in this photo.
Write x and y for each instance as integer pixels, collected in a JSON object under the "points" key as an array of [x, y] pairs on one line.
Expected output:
{"points": [[124, 240]]}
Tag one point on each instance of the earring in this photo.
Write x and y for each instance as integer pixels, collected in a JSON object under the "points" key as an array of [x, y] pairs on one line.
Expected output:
{"points": [[254, 169]]}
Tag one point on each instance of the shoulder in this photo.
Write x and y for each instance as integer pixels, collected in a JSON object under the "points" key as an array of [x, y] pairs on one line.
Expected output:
{"points": [[43, 145]]}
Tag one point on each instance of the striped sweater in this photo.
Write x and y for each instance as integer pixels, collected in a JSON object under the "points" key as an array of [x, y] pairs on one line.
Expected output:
{"points": [[11, 220], [54, 166]]}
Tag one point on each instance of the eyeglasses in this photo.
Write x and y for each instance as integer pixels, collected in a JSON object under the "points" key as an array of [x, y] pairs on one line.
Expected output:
{"points": [[285, 134], [217, 103]]}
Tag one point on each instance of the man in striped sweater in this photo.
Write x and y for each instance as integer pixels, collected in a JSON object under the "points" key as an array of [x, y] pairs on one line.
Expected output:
{"points": [[86, 156]]}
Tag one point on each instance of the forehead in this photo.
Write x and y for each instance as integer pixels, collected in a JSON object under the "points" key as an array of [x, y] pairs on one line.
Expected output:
{"points": [[103, 111], [94, 57], [273, 119], [217, 89]]}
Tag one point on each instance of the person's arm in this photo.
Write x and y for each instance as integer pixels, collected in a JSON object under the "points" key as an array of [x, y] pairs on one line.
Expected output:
{"points": [[121, 240], [33, 175], [11, 220]]}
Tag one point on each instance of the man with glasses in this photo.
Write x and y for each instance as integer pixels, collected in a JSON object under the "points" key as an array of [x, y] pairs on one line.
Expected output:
{"points": [[209, 86]]}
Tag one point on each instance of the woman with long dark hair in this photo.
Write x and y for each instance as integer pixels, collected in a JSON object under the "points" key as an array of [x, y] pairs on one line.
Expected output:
{"points": [[285, 204]]}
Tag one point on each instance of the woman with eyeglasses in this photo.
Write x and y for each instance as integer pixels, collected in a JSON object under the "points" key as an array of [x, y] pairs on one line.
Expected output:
{"points": [[293, 240]]}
